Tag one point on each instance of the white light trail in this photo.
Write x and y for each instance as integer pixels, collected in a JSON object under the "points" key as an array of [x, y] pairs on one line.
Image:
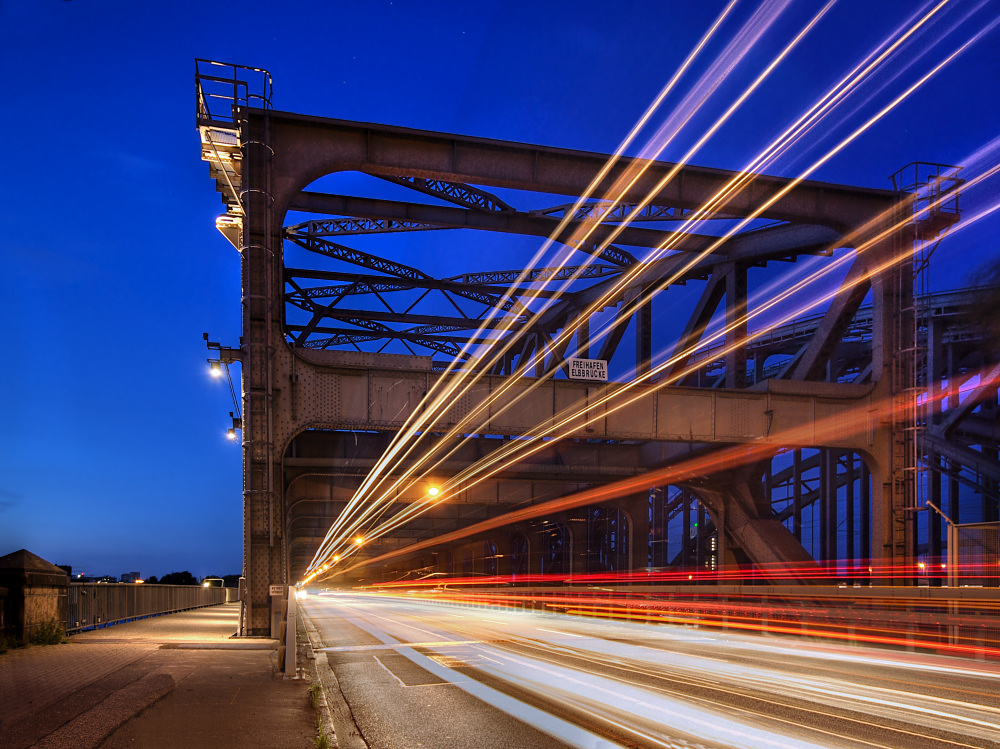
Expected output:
{"points": [[838, 92]]}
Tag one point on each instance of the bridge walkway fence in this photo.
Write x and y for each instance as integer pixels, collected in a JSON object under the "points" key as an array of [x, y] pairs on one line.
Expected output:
{"points": [[95, 605]]}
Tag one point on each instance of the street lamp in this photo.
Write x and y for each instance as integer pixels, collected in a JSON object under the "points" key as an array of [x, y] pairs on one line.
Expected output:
{"points": [[952, 567]]}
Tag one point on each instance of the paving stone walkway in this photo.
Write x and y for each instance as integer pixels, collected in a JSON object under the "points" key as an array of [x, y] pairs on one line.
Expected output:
{"points": [[177, 680]]}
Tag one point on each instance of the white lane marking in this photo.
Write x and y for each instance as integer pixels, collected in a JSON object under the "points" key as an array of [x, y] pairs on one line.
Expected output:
{"points": [[409, 686], [557, 632], [386, 669], [440, 644], [556, 727]]}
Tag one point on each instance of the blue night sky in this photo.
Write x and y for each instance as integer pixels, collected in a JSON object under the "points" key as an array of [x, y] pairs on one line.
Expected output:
{"points": [[111, 430]]}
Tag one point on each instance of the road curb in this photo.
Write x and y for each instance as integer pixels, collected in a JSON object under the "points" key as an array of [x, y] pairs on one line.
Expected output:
{"points": [[338, 721]]}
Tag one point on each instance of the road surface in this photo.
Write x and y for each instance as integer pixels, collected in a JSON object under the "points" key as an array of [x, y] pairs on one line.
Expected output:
{"points": [[415, 673]]}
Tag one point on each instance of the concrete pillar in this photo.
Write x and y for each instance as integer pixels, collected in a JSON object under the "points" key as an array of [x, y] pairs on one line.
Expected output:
{"points": [[35, 596]]}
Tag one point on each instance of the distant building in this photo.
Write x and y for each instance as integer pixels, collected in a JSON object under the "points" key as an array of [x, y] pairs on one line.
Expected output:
{"points": [[130, 577]]}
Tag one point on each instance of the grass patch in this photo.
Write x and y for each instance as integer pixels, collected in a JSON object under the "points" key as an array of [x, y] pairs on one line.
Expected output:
{"points": [[49, 633], [10, 643], [321, 741], [314, 692]]}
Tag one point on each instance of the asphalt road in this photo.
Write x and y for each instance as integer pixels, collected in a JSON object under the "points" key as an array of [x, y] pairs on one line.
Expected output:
{"points": [[421, 674]]}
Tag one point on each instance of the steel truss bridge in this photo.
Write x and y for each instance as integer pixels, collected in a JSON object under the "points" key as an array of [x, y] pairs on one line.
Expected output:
{"points": [[856, 413]]}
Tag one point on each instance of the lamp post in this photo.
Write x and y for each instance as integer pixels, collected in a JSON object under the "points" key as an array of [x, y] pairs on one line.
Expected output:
{"points": [[952, 577]]}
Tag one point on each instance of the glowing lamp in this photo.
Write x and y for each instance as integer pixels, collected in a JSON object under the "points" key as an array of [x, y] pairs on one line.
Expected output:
{"points": [[433, 491], [215, 367], [231, 434], [358, 541]]}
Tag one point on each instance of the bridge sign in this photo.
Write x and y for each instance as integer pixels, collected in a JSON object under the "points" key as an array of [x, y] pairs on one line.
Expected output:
{"points": [[277, 590], [588, 369]]}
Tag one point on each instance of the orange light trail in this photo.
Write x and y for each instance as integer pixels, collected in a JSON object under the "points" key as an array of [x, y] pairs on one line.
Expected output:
{"points": [[736, 184], [523, 447], [435, 402], [897, 621], [727, 457], [331, 541]]}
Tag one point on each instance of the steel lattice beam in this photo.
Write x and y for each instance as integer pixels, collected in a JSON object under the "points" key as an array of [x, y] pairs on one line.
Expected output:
{"points": [[447, 217], [605, 210], [454, 192], [537, 275], [309, 237]]}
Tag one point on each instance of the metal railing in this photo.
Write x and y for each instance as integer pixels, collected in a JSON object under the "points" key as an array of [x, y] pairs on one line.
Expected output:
{"points": [[93, 605], [222, 87], [974, 554]]}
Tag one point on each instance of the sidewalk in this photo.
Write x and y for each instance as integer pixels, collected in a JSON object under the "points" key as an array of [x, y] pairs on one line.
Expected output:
{"points": [[170, 681]]}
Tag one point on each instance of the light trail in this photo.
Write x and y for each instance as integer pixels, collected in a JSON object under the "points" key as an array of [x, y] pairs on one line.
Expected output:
{"points": [[913, 56], [632, 684], [726, 457], [497, 353], [553, 656], [522, 447], [737, 183], [844, 85], [444, 400], [435, 402], [332, 541], [735, 50], [984, 153]]}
